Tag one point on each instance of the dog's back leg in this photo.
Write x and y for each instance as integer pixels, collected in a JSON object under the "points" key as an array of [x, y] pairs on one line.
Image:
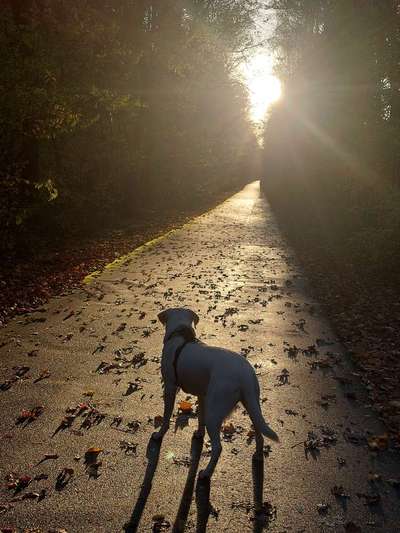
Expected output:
{"points": [[258, 435], [169, 401], [219, 404]]}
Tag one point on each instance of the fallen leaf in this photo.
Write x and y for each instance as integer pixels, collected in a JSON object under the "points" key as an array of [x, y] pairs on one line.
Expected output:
{"points": [[323, 507], [30, 495], [21, 370], [43, 375], [64, 478], [17, 482], [228, 429], [27, 415], [185, 407], [128, 447], [91, 455], [71, 313], [379, 442]]}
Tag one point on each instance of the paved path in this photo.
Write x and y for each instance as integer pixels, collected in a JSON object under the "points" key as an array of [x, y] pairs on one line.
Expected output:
{"points": [[234, 269]]}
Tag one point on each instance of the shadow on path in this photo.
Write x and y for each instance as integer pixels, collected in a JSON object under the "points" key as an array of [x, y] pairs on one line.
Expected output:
{"points": [[203, 504], [258, 488], [152, 454], [184, 507], [262, 511]]}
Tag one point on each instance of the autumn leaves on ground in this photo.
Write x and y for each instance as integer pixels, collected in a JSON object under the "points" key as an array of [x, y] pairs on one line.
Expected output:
{"points": [[120, 122], [82, 396]]}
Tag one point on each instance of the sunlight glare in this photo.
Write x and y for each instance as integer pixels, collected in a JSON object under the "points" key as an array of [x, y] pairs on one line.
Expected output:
{"points": [[264, 88]]}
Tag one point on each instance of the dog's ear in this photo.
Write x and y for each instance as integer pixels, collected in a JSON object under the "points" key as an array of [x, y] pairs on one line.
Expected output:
{"points": [[195, 317], [163, 316]]}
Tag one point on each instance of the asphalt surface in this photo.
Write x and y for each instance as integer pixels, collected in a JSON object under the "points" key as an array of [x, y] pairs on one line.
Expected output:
{"points": [[101, 346]]}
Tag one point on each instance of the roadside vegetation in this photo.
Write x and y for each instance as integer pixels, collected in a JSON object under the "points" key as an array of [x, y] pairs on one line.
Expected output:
{"points": [[108, 107], [112, 116], [332, 171]]}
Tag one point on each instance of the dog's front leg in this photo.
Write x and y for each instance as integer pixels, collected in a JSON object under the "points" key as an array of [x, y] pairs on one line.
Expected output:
{"points": [[169, 402]]}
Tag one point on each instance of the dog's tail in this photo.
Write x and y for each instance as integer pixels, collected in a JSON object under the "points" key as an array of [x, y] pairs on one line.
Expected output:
{"points": [[252, 404]]}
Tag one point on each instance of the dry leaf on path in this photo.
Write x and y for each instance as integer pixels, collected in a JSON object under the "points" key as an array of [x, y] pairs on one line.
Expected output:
{"points": [[378, 442], [185, 407], [91, 455]]}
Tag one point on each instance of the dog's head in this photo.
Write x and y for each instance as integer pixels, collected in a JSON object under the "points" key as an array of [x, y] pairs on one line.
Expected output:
{"points": [[176, 318]]}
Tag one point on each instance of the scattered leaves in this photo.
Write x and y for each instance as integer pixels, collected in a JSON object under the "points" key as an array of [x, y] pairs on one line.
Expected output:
{"points": [[128, 447], [29, 415]]}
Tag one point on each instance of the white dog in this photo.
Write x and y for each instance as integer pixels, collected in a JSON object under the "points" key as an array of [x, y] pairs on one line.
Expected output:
{"points": [[218, 377]]}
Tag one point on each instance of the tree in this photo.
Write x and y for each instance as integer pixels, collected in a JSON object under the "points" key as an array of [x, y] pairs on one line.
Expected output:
{"points": [[107, 105]]}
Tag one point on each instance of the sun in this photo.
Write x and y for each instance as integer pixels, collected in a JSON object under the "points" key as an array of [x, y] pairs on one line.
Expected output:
{"points": [[264, 88]]}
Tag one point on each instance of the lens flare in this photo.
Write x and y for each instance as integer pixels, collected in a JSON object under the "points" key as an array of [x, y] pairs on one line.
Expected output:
{"points": [[264, 88]]}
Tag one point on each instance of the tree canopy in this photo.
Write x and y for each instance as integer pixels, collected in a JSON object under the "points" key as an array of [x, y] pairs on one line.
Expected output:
{"points": [[107, 106], [339, 62]]}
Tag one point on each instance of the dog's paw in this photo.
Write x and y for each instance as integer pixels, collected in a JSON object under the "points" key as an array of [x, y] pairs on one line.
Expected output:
{"points": [[199, 434]]}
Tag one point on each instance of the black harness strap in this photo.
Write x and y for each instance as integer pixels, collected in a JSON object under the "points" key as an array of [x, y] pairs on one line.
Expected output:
{"points": [[176, 357], [189, 336]]}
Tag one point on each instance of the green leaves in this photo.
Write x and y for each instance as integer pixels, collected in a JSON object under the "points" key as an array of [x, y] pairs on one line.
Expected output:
{"points": [[48, 188]]}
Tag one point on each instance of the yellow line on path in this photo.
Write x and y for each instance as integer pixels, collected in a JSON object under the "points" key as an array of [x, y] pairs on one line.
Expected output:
{"points": [[124, 258]]}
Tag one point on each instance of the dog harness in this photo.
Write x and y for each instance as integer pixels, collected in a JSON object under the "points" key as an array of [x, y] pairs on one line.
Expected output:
{"points": [[188, 334]]}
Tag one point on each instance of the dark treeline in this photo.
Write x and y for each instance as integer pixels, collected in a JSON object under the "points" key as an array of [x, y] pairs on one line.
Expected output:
{"points": [[332, 170], [332, 145], [107, 107]]}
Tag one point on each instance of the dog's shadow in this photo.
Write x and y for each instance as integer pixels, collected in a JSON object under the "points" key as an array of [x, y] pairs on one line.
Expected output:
{"points": [[153, 455], [186, 500], [203, 487], [263, 512], [261, 516]]}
